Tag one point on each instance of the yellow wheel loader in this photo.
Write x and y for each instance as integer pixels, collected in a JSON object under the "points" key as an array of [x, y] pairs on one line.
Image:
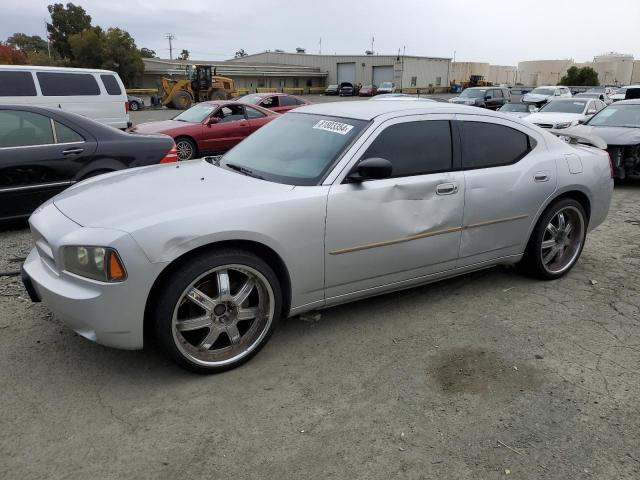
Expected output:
{"points": [[199, 86]]}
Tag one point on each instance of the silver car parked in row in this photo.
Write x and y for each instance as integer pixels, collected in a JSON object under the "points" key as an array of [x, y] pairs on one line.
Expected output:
{"points": [[325, 205]]}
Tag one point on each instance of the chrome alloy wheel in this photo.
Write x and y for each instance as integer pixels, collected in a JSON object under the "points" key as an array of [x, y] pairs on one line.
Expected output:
{"points": [[185, 150], [223, 315], [562, 240]]}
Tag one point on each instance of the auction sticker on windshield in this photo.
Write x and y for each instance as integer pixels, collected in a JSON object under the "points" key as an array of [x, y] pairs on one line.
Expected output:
{"points": [[334, 127]]}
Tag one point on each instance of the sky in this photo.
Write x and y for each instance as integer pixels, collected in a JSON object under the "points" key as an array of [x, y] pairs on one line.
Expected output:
{"points": [[494, 31]]}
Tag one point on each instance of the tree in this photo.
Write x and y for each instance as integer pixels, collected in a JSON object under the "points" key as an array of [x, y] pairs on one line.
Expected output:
{"points": [[580, 76], [122, 55], [241, 53], [10, 55], [147, 53], [184, 55], [87, 48], [65, 22], [27, 44]]}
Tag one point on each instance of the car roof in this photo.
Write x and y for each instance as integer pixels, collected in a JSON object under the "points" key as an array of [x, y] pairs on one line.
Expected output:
{"points": [[369, 110], [55, 69]]}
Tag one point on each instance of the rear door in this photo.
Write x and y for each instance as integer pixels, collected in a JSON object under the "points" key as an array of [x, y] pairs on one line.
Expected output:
{"points": [[39, 157], [508, 175]]}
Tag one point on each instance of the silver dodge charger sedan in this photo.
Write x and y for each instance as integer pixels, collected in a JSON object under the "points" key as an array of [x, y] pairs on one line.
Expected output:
{"points": [[325, 205]]}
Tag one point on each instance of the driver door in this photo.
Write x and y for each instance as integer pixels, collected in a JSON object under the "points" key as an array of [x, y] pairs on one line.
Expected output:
{"points": [[231, 128], [384, 232]]}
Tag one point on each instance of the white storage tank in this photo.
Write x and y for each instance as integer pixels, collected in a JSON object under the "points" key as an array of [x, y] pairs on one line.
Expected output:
{"points": [[614, 68]]}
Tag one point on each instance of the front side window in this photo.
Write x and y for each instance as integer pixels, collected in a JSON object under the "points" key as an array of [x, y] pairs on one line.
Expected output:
{"points": [[489, 144], [54, 84], [230, 113], [414, 148], [17, 84], [295, 149], [21, 129], [111, 84], [269, 102]]}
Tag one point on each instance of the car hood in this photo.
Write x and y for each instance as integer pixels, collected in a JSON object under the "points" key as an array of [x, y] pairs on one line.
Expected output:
{"points": [[611, 135], [555, 117], [159, 127], [131, 199], [535, 97]]}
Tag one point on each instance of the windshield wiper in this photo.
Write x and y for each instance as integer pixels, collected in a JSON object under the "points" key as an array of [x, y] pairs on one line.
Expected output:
{"points": [[244, 170]]}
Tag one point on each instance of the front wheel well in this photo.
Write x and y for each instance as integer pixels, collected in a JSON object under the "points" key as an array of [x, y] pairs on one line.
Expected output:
{"points": [[264, 252]]}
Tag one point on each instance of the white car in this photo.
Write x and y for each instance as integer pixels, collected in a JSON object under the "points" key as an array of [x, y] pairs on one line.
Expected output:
{"points": [[541, 95], [519, 110], [565, 112], [95, 94], [621, 93], [386, 87]]}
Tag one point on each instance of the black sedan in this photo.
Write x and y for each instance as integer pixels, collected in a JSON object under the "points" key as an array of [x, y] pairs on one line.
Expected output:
{"points": [[43, 151], [331, 90]]}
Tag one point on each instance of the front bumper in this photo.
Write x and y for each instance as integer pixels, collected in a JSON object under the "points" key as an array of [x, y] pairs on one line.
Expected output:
{"points": [[111, 314]]}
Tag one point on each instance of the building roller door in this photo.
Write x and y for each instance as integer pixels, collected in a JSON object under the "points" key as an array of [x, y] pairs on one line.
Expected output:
{"points": [[347, 73], [382, 73]]}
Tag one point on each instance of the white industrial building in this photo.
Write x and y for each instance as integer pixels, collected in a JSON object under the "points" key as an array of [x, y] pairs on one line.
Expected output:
{"points": [[405, 71]]}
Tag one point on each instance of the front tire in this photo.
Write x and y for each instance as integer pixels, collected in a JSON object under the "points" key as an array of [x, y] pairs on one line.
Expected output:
{"points": [[557, 240], [217, 310], [133, 106], [187, 149]]}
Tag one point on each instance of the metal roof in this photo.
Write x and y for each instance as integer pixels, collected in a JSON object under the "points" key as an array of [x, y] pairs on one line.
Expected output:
{"points": [[177, 67]]}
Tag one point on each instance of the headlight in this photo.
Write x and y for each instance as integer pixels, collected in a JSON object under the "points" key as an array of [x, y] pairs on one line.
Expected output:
{"points": [[97, 263], [563, 125]]}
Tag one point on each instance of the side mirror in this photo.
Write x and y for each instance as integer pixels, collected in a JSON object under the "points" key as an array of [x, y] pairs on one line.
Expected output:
{"points": [[212, 121], [371, 169], [582, 121], [487, 97]]}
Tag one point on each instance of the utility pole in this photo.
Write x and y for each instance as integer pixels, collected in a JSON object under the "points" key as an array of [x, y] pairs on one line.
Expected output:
{"points": [[372, 40], [48, 41], [320, 49], [170, 37]]}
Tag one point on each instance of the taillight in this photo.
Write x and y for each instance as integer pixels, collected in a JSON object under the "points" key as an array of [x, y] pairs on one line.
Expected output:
{"points": [[171, 156], [126, 107]]}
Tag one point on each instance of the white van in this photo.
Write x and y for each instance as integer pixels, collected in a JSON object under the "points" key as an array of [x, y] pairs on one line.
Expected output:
{"points": [[96, 94]]}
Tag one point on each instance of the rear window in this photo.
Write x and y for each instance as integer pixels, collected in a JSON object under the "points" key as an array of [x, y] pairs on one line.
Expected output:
{"points": [[55, 84], [23, 129], [111, 85], [17, 84]]}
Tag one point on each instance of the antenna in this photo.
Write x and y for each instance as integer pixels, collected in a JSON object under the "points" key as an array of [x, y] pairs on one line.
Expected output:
{"points": [[372, 40], [170, 37]]}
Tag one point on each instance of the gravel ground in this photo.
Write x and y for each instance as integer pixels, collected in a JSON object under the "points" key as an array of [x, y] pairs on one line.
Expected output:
{"points": [[469, 378]]}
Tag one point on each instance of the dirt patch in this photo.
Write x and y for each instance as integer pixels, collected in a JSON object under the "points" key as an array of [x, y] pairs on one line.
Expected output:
{"points": [[481, 372]]}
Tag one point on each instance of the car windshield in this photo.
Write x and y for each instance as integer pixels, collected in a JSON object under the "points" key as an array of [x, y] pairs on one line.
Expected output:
{"points": [[386, 85], [295, 149], [589, 95], [596, 90], [196, 114], [560, 106], [473, 93], [515, 107], [252, 99], [332, 86], [542, 91], [617, 116]]}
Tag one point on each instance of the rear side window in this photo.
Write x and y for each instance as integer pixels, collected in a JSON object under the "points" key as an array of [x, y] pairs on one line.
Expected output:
{"points": [[55, 84], [21, 129], [253, 113], [17, 84], [489, 144], [111, 85], [414, 148], [288, 101], [66, 135]]}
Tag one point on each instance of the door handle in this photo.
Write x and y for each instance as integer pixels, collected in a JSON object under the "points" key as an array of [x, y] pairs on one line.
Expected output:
{"points": [[73, 151], [446, 189], [541, 177]]}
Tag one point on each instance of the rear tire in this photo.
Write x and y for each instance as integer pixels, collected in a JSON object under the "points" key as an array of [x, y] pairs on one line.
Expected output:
{"points": [[181, 101], [217, 310], [133, 106], [557, 240]]}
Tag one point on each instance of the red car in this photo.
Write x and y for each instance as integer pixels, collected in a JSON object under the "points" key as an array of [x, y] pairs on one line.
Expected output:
{"points": [[278, 102], [210, 127], [368, 91]]}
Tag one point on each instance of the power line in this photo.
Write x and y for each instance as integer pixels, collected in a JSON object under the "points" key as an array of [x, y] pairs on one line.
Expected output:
{"points": [[170, 37]]}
